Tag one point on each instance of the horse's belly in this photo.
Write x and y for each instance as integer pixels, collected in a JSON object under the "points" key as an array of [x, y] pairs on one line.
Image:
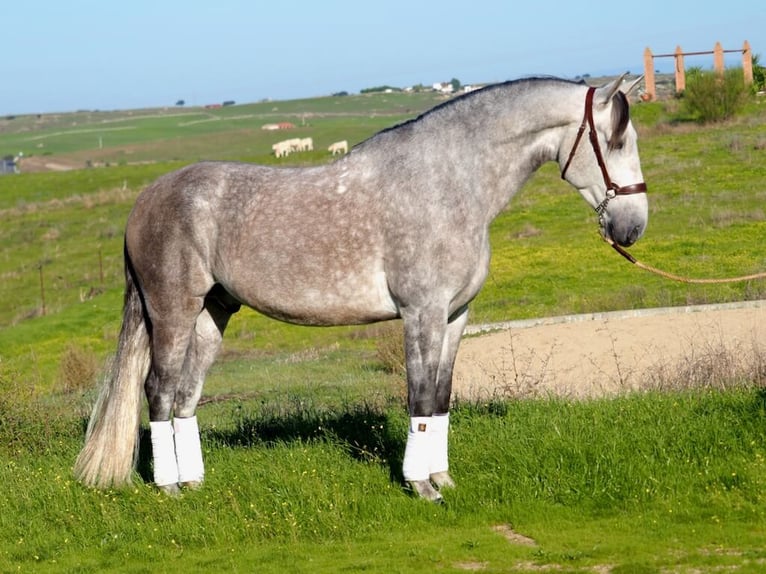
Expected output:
{"points": [[331, 299]]}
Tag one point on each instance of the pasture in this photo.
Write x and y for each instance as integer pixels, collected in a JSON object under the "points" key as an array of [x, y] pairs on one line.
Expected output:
{"points": [[646, 483]]}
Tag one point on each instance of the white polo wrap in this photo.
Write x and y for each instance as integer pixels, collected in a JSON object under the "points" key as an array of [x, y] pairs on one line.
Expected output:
{"points": [[188, 450], [439, 443], [163, 453], [417, 463]]}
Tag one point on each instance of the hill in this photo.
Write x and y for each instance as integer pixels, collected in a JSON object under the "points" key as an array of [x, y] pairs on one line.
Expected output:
{"points": [[93, 138]]}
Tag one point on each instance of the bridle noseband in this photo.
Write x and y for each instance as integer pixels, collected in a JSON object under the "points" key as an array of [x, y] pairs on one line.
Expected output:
{"points": [[612, 189]]}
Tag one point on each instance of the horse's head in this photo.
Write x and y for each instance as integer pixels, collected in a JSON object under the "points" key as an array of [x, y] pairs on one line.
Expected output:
{"points": [[606, 169]]}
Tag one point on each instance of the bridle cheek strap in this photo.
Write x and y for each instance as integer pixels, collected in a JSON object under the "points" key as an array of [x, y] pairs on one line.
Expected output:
{"points": [[612, 189]]}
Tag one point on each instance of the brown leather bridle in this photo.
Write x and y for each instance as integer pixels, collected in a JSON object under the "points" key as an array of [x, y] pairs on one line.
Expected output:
{"points": [[612, 189]]}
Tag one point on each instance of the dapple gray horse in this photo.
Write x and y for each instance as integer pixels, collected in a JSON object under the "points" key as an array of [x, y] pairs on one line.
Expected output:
{"points": [[397, 228]]}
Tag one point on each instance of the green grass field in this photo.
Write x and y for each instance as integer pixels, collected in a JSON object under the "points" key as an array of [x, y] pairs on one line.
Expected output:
{"points": [[647, 483], [303, 429]]}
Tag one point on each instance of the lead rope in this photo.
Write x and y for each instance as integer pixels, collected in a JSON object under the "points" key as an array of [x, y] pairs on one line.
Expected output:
{"points": [[679, 278]]}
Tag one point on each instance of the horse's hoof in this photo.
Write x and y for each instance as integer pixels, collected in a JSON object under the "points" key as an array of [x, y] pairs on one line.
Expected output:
{"points": [[442, 480], [424, 489], [192, 485], [169, 489]]}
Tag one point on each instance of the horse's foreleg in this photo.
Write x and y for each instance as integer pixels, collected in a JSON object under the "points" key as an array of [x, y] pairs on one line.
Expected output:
{"points": [[424, 334], [439, 470], [431, 345]]}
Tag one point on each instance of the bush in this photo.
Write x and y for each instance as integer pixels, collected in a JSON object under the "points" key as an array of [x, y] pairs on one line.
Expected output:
{"points": [[759, 74], [30, 424], [710, 97], [77, 370]]}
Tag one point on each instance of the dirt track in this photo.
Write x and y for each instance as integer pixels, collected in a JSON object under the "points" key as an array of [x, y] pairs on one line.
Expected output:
{"points": [[605, 353]]}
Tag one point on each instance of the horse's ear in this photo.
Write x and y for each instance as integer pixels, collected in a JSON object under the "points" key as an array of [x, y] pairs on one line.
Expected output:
{"points": [[604, 94], [633, 85]]}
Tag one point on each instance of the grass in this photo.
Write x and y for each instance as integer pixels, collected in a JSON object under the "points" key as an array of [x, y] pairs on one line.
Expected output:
{"points": [[639, 483], [303, 428]]}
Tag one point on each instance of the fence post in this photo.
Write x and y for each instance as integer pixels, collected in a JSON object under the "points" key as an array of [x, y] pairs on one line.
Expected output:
{"points": [[649, 74], [718, 59], [42, 289], [100, 266], [680, 70], [747, 63]]}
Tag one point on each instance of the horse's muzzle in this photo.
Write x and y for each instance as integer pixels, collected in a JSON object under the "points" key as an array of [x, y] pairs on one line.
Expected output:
{"points": [[624, 235]]}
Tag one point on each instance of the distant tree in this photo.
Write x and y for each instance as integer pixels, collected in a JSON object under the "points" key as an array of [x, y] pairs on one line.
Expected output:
{"points": [[379, 89], [229, 103], [340, 94], [180, 103], [455, 84]]}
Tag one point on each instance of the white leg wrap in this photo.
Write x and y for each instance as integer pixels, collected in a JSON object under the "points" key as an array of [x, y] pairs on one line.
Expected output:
{"points": [[188, 450], [163, 453], [439, 430], [417, 453]]}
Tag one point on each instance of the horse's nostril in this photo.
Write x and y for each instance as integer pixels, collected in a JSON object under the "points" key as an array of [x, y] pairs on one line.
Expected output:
{"points": [[632, 236]]}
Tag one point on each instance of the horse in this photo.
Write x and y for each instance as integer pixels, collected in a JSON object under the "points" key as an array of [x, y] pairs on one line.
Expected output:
{"points": [[281, 149], [295, 144], [397, 228], [340, 147], [307, 144]]}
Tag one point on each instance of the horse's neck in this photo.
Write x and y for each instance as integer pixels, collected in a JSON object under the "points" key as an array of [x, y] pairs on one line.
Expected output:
{"points": [[518, 144]]}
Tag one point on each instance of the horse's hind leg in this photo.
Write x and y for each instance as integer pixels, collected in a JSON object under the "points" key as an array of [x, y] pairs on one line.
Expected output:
{"points": [[204, 347], [173, 325]]}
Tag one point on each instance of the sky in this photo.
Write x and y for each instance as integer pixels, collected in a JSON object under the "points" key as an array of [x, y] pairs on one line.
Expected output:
{"points": [[66, 55]]}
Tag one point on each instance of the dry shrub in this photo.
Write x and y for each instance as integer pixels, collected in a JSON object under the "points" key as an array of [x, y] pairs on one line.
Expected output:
{"points": [[714, 366], [389, 347], [77, 370]]}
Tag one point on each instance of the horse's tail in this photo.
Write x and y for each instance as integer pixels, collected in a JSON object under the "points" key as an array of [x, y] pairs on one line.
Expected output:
{"points": [[111, 441]]}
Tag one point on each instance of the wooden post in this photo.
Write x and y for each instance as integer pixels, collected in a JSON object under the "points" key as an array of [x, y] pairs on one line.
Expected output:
{"points": [[42, 289], [718, 59], [680, 71], [649, 75], [100, 266], [747, 63]]}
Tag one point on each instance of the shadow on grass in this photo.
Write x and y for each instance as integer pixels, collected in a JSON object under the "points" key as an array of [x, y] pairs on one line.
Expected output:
{"points": [[366, 433]]}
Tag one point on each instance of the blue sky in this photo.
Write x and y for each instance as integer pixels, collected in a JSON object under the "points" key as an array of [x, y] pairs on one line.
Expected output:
{"points": [[63, 55]]}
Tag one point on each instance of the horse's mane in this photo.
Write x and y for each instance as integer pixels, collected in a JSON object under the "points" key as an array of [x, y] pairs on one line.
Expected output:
{"points": [[494, 87], [620, 108]]}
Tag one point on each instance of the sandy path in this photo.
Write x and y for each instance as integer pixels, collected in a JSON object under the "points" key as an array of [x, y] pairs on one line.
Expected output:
{"points": [[602, 353]]}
